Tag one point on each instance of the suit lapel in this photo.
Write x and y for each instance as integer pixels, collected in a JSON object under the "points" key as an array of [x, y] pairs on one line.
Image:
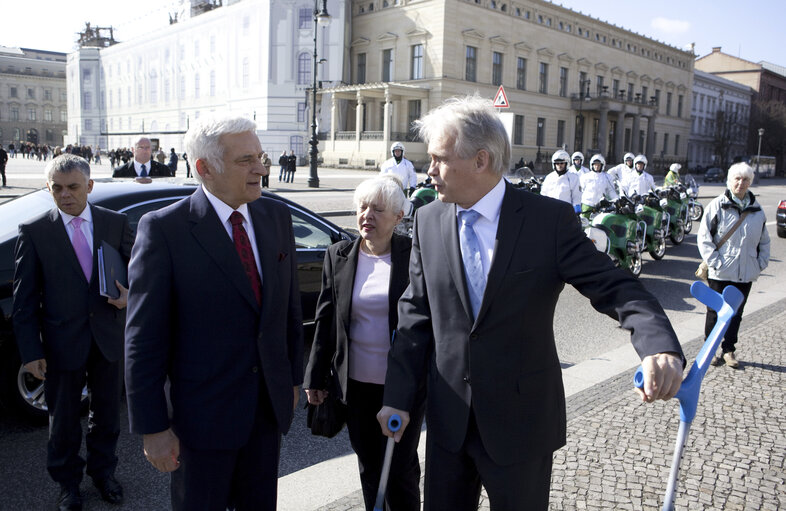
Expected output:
{"points": [[449, 231], [60, 236], [264, 234], [213, 238], [510, 223], [345, 268]]}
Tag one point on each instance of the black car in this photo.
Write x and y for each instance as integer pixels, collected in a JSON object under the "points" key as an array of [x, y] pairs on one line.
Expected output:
{"points": [[780, 219], [19, 389], [714, 175]]}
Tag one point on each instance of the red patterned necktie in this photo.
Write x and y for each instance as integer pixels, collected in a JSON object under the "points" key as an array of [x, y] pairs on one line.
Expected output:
{"points": [[243, 247]]}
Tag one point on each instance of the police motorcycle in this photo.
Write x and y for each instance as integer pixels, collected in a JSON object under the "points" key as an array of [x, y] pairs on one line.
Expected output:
{"points": [[694, 206], [615, 230], [523, 177], [424, 194], [676, 205], [650, 210]]}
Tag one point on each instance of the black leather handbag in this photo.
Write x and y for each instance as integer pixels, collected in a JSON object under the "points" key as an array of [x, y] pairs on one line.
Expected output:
{"points": [[327, 419]]}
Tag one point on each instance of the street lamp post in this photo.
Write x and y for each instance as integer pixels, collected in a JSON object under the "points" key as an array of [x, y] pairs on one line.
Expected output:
{"points": [[758, 157], [578, 141], [320, 18]]}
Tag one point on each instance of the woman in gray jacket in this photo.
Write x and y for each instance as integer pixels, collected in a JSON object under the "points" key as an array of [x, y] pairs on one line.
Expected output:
{"points": [[742, 257]]}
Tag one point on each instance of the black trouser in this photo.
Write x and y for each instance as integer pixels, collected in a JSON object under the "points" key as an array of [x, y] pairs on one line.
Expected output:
{"points": [[63, 390], [2, 171], [403, 491], [730, 338], [266, 181], [244, 479], [453, 479]]}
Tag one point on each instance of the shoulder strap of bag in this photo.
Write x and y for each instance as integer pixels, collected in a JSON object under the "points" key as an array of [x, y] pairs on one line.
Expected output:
{"points": [[731, 231]]}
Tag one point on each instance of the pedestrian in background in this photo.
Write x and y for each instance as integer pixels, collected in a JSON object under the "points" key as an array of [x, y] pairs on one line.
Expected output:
{"points": [[188, 165], [267, 164], [172, 163], [356, 315], [291, 166], [68, 334], [282, 162], [743, 255], [3, 161]]}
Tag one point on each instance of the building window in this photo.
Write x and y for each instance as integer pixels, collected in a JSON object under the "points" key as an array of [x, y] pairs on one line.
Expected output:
{"points": [[301, 111], [630, 92], [196, 85], [47, 94], [668, 103], [87, 76], [304, 69], [166, 91], [50, 136], [387, 65], [413, 114], [212, 83], [676, 144], [518, 130], [417, 62], [560, 133], [14, 113], [679, 110], [657, 98], [541, 132], [361, 68], [212, 46], [13, 92], [544, 78], [470, 70], [496, 68], [87, 101], [63, 116], [153, 87], [599, 85], [48, 115], [644, 92], [563, 82], [304, 18], [182, 87], [139, 94], [88, 124], [665, 142], [245, 73], [521, 73], [296, 144]]}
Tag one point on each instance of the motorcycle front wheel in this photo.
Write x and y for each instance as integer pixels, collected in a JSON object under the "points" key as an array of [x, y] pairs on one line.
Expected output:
{"points": [[696, 212], [688, 224], [678, 234], [659, 249], [634, 264]]}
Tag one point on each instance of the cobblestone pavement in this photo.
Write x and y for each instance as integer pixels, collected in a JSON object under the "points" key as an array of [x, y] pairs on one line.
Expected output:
{"points": [[619, 450]]}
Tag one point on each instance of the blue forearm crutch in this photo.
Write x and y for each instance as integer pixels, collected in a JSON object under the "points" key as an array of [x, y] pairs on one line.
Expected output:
{"points": [[688, 395], [394, 424]]}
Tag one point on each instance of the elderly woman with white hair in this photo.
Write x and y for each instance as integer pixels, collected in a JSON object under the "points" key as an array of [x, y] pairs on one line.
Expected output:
{"points": [[734, 242], [356, 315]]}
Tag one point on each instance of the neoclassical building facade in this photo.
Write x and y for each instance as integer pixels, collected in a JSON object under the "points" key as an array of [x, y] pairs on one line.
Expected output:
{"points": [[32, 96], [246, 57], [571, 80]]}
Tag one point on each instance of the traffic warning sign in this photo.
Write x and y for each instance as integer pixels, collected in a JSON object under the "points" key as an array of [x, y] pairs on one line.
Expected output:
{"points": [[501, 100]]}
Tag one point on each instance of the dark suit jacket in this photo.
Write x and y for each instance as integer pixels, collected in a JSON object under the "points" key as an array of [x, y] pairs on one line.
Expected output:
{"points": [[193, 318], [57, 312], [505, 364], [156, 170], [334, 307]]}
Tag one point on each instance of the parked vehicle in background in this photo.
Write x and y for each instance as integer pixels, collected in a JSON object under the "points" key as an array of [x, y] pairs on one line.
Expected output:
{"points": [[780, 219], [18, 388], [766, 165], [714, 175]]}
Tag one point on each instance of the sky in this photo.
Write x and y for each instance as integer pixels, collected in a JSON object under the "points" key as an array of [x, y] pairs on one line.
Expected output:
{"points": [[750, 30]]}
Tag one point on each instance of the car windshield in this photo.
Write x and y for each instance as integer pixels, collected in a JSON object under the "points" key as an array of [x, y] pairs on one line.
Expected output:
{"points": [[22, 209]]}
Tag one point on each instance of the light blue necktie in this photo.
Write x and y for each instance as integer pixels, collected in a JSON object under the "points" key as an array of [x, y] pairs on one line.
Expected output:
{"points": [[470, 255]]}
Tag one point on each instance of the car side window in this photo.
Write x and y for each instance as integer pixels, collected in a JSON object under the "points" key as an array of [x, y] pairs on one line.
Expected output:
{"points": [[309, 231], [136, 211]]}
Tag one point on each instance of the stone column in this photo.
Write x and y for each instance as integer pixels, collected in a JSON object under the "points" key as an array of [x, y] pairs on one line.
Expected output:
{"points": [[358, 120], [619, 136], [651, 135], [634, 134], [333, 113], [386, 119], [603, 127]]}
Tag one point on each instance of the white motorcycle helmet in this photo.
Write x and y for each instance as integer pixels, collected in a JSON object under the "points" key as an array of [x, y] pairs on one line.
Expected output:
{"points": [[628, 156], [559, 155], [579, 155], [599, 158], [675, 167], [397, 145], [640, 158]]}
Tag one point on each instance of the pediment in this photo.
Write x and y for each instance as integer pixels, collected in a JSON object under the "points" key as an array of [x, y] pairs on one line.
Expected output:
{"points": [[545, 52], [387, 36], [499, 41], [565, 57], [471, 33], [360, 41]]}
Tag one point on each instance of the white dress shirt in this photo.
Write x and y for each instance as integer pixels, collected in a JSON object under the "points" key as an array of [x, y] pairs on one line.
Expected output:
{"points": [[138, 168], [86, 227], [486, 225], [223, 210]]}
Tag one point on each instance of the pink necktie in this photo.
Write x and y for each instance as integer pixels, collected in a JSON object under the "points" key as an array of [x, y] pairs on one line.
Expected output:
{"points": [[81, 248]]}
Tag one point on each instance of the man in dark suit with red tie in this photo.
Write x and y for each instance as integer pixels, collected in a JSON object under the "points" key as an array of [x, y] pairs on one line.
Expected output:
{"points": [[487, 266], [142, 165], [214, 308], [68, 334]]}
